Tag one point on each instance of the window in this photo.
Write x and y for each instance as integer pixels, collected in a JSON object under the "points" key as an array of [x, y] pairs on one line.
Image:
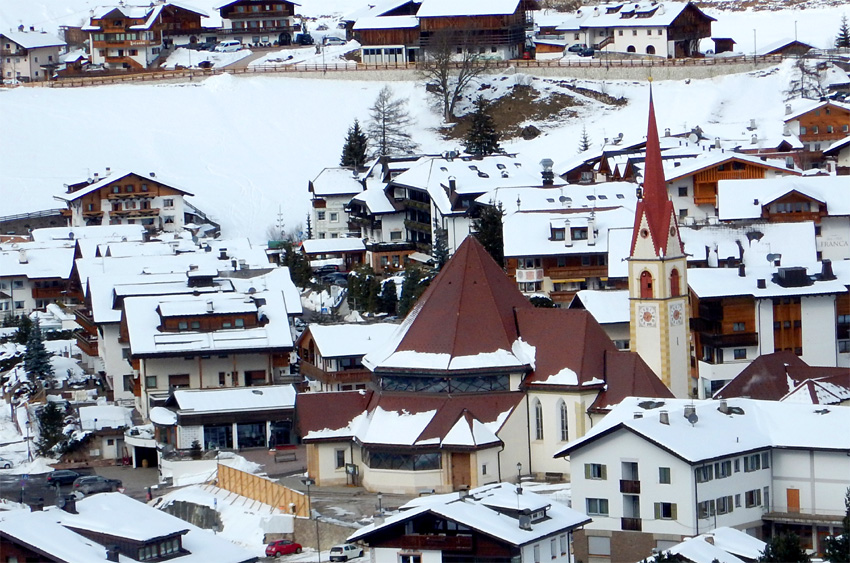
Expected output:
{"points": [[182, 325], [706, 509], [598, 545], [814, 129], [562, 540], [19, 304], [484, 469], [178, 381], [723, 469], [740, 353], [395, 235], [724, 505], [558, 234], [538, 420], [195, 325], [340, 458], [738, 501], [739, 327], [226, 324], [221, 379], [634, 32], [595, 471], [597, 506], [665, 510], [704, 473], [675, 288], [752, 498], [239, 323], [752, 463], [409, 558], [564, 418], [537, 553], [334, 217], [645, 285], [765, 460], [320, 215], [683, 191], [578, 233], [553, 548], [168, 202], [150, 381], [649, 32], [829, 128], [664, 475]]}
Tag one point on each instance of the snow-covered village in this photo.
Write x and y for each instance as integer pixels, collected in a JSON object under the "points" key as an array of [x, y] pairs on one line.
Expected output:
{"points": [[422, 281]]}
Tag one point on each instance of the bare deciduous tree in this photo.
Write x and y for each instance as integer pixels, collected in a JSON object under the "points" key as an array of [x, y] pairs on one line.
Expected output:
{"points": [[447, 72], [388, 125]]}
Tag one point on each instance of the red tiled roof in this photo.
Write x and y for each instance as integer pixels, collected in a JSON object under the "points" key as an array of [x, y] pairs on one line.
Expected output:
{"points": [[767, 377], [320, 411], [655, 203], [627, 375], [467, 310]]}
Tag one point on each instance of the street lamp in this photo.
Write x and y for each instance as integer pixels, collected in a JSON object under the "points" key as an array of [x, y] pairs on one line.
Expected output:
{"points": [[29, 453], [518, 471], [309, 482]]}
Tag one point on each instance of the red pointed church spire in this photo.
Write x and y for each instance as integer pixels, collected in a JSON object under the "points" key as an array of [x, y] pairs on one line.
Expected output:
{"points": [[654, 205]]}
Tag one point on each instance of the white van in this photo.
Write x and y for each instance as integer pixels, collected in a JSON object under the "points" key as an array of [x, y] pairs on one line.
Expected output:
{"points": [[228, 46]]}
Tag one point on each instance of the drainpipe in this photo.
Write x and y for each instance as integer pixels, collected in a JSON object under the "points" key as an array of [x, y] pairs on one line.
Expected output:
{"points": [[528, 434]]}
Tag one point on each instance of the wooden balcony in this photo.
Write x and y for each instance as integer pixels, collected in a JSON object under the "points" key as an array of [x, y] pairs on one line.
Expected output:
{"points": [[360, 375], [131, 195], [135, 213], [83, 318], [629, 486], [87, 343], [631, 524], [728, 340], [48, 292], [437, 542], [577, 273]]}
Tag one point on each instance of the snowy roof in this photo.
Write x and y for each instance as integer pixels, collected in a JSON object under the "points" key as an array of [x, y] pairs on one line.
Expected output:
{"points": [[484, 509], [36, 260], [229, 2], [571, 196], [607, 307], [108, 232], [386, 22], [219, 305], [198, 401], [332, 245], [105, 416], [723, 282], [343, 340], [375, 9], [639, 14], [530, 233], [795, 241], [776, 46], [831, 190], [723, 545], [805, 106], [163, 416], [748, 425], [147, 338], [73, 56], [33, 39], [450, 8], [375, 198], [112, 177], [336, 181]]}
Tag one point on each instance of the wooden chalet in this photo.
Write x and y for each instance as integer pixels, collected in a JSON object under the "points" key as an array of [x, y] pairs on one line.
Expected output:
{"points": [[819, 125], [259, 21]]}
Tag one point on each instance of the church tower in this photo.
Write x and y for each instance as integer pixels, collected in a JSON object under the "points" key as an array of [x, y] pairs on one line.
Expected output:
{"points": [[658, 279]]}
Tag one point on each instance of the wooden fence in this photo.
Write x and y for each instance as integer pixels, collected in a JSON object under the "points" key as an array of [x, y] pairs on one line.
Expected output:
{"points": [[262, 490]]}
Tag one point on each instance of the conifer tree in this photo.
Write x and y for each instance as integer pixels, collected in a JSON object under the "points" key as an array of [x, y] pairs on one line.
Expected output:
{"points": [[22, 335], [488, 231], [441, 246], [37, 358], [355, 147], [299, 266], [784, 548], [413, 286], [482, 138], [838, 547], [388, 125], [842, 40], [49, 428], [388, 299], [584, 141]]}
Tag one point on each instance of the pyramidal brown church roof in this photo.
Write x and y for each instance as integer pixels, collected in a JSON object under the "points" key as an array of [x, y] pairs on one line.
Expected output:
{"points": [[464, 321]]}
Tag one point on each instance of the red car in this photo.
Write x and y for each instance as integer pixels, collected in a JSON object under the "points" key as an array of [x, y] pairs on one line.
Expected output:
{"points": [[282, 547]]}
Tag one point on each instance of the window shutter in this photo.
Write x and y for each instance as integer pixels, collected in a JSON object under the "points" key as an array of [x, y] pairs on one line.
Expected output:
{"points": [[604, 471], [658, 511], [587, 471], [673, 513]]}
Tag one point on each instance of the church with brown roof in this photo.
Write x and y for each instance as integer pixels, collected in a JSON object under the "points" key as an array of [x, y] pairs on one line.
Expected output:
{"points": [[475, 386]]}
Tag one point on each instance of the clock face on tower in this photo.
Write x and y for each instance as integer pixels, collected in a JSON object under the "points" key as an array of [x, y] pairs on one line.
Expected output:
{"points": [[677, 314], [646, 315]]}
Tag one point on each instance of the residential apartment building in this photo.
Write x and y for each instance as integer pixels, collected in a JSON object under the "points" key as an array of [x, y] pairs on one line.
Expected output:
{"points": [[28, 55], [257, 22], [658, 471], [331, 191], [819, 124]]}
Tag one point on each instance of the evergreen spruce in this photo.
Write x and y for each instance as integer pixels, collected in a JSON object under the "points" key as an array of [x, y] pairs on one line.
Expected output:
{"points": [[50, 423], [838, 547], [355, 147], [413, 286], [388, 299], [22, 335], [299, 266], [784, 548], [441, 246], [482, 138], [842, 40], [388, 125], [363, 290], [309, 232], [488, 230], [584, 141], [542, 302], [37, 358]]}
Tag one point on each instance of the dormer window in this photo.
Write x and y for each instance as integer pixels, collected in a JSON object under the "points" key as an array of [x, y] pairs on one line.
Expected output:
{"points": [[558, 234], [578, 233]]}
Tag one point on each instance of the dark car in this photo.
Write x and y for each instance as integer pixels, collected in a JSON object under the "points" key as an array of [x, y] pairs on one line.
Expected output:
{"points": [[336, 278], [304, 39], [327, 269], [587, 52], [282, 547], [577, 48], [96, 484], [62, 477]]}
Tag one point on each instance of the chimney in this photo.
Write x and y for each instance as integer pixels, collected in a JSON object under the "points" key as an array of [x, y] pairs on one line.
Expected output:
{"points": [[724, 406], [591, 231], [32, 28], [717, 142], [752, 124], [548, 175], [210, 307], [112, 553], [786, 131], [666, 131], [754, 139], [826, 273], [108, 171], [96, 176], [761, 283], [37, 505], [67, 503], [638, 415], [742, 271], [664, 417], [452, 184], [568, 237], [22, 257], [787, 109], [689, 410], [222, 254]]}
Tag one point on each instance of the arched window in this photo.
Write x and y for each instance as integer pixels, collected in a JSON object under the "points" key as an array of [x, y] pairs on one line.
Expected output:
{"points": [[645, 285], [650, 50], [674, 282], [564, 418], [630, 49], [538, 420]]}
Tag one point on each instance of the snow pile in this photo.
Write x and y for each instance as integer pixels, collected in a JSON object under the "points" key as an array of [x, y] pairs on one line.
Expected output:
{"points": [[190, 58]]}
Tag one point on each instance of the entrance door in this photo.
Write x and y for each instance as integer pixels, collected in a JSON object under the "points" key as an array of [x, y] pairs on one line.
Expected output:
{"points": [[461, 475], [793, 496]]}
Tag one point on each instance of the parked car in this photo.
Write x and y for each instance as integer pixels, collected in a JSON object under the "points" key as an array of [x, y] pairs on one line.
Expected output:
{"points": [[336, 278], [304, 39], [95, 484], [577, 48], [228, 46], [5, 463], [62, 477], [345, 552], [332, 40], [587, 52], [282, 547], [327, 269]]}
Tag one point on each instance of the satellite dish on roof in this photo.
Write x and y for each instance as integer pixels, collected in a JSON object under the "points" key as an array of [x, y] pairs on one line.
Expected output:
{"points": [[693, 418], [525, 522], [562, 199]]}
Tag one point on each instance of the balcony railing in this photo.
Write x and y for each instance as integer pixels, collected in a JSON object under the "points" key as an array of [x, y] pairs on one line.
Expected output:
{"points": [[631, 524], [437, 542], [87, 343], [728, 340], [530, 275], [359, 375], [629, 486]]}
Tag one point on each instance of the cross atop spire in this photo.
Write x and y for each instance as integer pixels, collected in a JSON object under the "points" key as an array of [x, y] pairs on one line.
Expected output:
{"points": [[654, 215]]}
